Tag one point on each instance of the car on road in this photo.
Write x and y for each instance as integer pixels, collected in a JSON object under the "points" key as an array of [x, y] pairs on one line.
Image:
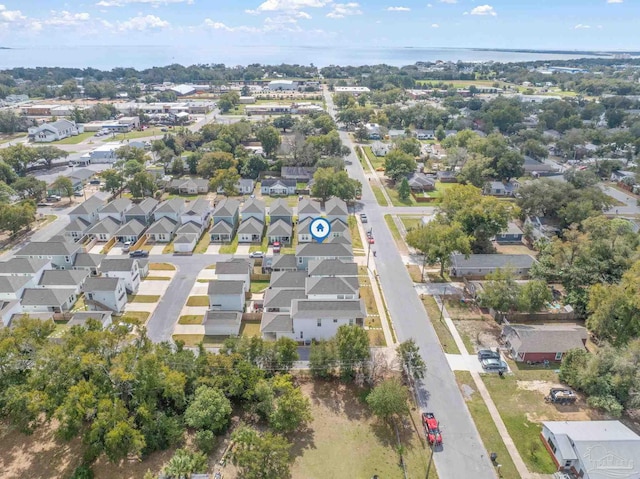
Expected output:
{"points": [[488, 354], [371, 240], [139, 253], [363, 217], [493, 364], [431, 428], [44, 205], [163, 129], [256, 254]]}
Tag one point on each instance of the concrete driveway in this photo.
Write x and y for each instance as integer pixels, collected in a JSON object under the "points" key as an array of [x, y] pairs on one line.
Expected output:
{"points": [[157, 249], [153, 288], [213, 249], [243, 250]]}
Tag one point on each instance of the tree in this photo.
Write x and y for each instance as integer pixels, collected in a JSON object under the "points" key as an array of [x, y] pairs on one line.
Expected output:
{"points": [[6, 192], [269, 138], [132, 167], [30, 187], [533, 296], [210, 163], [438, 240], [17, 216], [142, 184], [440, 133], [49, 153], [323, 183], [177, 166], [128, 153], [7, 173], [113, 181], [361, 134], [397, 164], [535, 149], [322, 359], [290, 409], [18, 156], [409, 356], [404, 191], [183, 463], [389, 400], [227, 101], [284, 122], [500, 292], [259, 456], [64, 186], [209, 409], [346, 188], [227, 180], [411, 146], [352, 346]]}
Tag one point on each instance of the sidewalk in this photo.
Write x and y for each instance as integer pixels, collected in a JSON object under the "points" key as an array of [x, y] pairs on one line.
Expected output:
{"points": [[375, 176]]}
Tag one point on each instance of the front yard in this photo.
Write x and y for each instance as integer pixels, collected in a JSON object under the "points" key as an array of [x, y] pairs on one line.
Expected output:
{"points": [[444, 335], [198, 301], [229, 248], [142, 298], [376, 161], [162, 267]]}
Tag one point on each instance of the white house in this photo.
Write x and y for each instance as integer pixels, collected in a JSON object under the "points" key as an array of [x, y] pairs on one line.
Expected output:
{"points": [[105, 153], [237, 269], [48, 300], [187, 237], [32, 268], [109, 293], [313, 319], [55, 131], [116, 209], [250, 231], [323, 287], [171, 209], [105, 229], [197, 212], [125, 268], [60, 254], [12, 287], [253, 208], [226, 295]]}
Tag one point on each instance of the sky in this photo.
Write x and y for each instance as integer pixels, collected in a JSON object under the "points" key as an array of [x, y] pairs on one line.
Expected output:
{"points": [[527, 24]]}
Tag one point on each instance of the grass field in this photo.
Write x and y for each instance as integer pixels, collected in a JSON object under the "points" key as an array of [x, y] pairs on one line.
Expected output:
{"points": [[376, 161], [440, 189], [132, 135], [161, 267], [229, 248], [356, 240], [446, 340], [142, 298], [411, 222], [203, 244], [393, 228], [190, 319], [198, 301], [74, 140], [486, 427], [380, 198], [250, 328], [397, 201]]}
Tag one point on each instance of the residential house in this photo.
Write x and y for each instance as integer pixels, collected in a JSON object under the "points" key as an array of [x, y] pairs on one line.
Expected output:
{"points": [[593, 449], [105, 293], [60, 254], [187, 237], [32, 268], [336, 209], [332, 288], [341, 239], [82, 317], [115, 210], [543, 342], [627, 177], [297, 173], [274, 326], [143, 211], [288, 280], [278, 187], [48, 300], [67, 279], [308, 209], [126, 268], [236, 269], [12, 287], [197, 212], [447, 176], [332, 268], [498, 188], [250, 231], [225, 220], [421, 182], [512, 235], [313, 319], [280, 210], [284, 262], [226, 295], [278, 300], [537, 168], [130, 231], [190, 186], [9, 309], [171, 209], [105, 229], [244, 186], [57, 130], [425, 134], [480, 265], [222, 323], [303, 231], [162, 230], [88, 209], [76, 229], [373, 131], [542, 227], [316, 251], [253, 208], [88, 262], [279, 231], [340, 229]]}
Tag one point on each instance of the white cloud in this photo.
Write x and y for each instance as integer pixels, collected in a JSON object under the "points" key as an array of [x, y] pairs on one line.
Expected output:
{"points": [[142, 23], [10, 16], [614, 1], [448, 1], [435, 25], [153, 3], [398, 9], [483, 10], [429, 5], [581, 26], [289, 5], [66, 19], [341, 10]]}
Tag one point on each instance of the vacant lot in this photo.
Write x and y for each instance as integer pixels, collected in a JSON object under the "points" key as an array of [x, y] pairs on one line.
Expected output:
{"points": [[444, 336]]}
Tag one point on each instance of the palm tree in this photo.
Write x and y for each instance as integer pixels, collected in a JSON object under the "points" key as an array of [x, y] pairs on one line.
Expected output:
{"points": [[179, 466]]}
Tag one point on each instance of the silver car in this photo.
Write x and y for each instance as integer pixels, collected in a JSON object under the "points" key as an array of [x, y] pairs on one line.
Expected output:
{"points": [[493, 364]]}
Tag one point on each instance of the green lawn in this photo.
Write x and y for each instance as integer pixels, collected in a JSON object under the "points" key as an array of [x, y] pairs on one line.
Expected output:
{"points": [[397, 201], [440, 189], [486, 427], [74, 140], [291, 200], [250, 328], [260, 247], [366, 293], [291, 249], [191, 319], [229, 248], [135, 134], [135, 316], [162, 267], [380, 198], [376, 161], [393, 228], [411, 222], [259, 286], [198, 301], [189, 339], [444, 335], [158, 278], [356, 239], [142, 298], [203, 244]]}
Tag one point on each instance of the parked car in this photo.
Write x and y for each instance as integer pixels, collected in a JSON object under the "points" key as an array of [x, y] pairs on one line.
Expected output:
{"points": [[363, 218], [78, 193], [94, 182], [493, 364], [488, 354], [256, 254], [139, 253], [126, 246], [44, 205], [53, 198], [276, 246], [431, 428]]}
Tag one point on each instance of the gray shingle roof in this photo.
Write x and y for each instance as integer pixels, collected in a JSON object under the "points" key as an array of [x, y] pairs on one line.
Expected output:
{"points": [[185, 238], [340, 309], [233, 266], [279, 228], [163, 225], [336, 207], [63, 277], [174, 205], [221, 227], [307, 206], [225, 287], [281, 298], [303, 225], [222, 318], [117, 264], [284, 261], [280, 208], [131, 228], [88, 260], [101, 284], [11, 284], [77, 225], [491, 261], [198, 207], [545, 338], [253, 205], [80, 318], [22, 265], [251, 226], [117, 206], [227, 207], [345, 239], [92, 204], [276, 323], [323, 249], [106, 226], [332, 285], [143, 208], [46, 296], [288, 280], [338, 226], [49, 248], [270, 182], [189, 228]]}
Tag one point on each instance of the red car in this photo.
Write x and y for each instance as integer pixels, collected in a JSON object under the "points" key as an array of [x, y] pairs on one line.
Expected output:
{"points": [[371, 241], [431, 428]]}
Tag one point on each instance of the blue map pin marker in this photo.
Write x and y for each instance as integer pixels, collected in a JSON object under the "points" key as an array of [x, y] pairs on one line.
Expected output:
{"points": [[320, 229]]}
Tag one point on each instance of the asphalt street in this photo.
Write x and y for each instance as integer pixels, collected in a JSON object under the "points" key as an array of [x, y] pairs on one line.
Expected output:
{"points": [[463, 454]]}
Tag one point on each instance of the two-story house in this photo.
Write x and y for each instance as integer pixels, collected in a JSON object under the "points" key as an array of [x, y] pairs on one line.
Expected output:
{"points": [[88, 209], [324, 287], [143, 211], [197, 212], [308, 209], [303, 230], [237, 269], [278, 300], [317, 320], [48, 300], [253, 208], [88, 262], [280, 210], [116, 210], [125, 268], [226, 216], [187, 236], [130, 231], [60, 254], [31, 268], [105, 293], [171, 209], [68, 279], [12, 287], [336, 209], [332, 268], [316, 251], [226, 295], [105, 229], [279, 231], [76, 229], [250, 231]]}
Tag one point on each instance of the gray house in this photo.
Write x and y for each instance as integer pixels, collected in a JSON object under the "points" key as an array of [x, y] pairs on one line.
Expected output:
{"points": [[284, 262], [88, 210], [325, 287], [332, 268], [12, 287], [512, 235], [226, 295], [143, 211], [303, 232], [48, 300], [279, 231], [197, 212], [76, 229], [31, 268], [222, 323], [278, 187], [61, 254], [126, 269], [279, 300], [190, 186], [88, 262], [280, 210], [105, 293], [480, 265], [308, 209], [104, 229], [288, 280], [250, 231], [171, 209], [225, 220], [336, 209], [253, 208], [498, 188], [67, 279], [317, 251], [130, 231], [162, 230], [116, 210]]}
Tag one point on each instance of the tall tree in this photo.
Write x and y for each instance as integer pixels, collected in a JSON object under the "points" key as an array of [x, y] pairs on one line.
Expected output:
{"points": [[64, 186], [30, 187], [404, 191], [408, 354], [397, 164], [323, 184], [113, 181], [210, 410], [284, 122], [352, 345], [142, 184], [49, 154], [260, 456], [388, 400], [269, 139]]}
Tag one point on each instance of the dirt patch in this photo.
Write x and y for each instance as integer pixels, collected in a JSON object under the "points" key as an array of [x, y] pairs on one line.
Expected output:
{"points": [[513, 249], [482, 333], [467, 391]]}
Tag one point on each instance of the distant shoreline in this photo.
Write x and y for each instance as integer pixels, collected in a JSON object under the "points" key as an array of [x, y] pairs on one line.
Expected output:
{"points": [[558, 52]]}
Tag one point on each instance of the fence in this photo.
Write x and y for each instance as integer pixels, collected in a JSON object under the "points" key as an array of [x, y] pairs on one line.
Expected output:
{"points": [[423, 199], [517, 317], [251, 316]]}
